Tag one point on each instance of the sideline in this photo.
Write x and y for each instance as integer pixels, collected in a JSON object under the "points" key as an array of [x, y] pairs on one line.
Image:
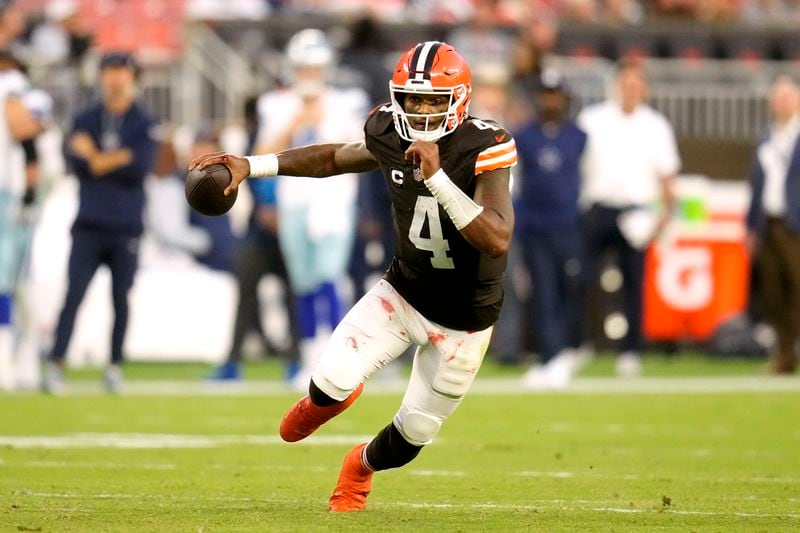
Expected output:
{"points": [[487, 386]]}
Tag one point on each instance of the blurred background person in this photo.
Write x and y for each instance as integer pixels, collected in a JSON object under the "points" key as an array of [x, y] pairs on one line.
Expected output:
{"points": [[527, 64], [363, 60], [170, 220], [110, 149], [374, 240], [363, 65], [317, 217], [220, 253], [491, 101], [630, 164], [549, 233], [485, 38], [259, 254], [773, 221], [20, 123], [62, 38]]}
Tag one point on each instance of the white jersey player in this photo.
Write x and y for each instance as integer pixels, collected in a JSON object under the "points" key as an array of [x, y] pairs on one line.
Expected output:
{"points": [[317, 220], [18, 123]]}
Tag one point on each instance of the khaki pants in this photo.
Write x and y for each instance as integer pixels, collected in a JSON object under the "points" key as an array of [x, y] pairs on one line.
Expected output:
{"points": [[779, 261]]}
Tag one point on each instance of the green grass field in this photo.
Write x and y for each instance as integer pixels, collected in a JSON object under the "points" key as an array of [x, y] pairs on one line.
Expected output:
{"points": [[574, 461]]}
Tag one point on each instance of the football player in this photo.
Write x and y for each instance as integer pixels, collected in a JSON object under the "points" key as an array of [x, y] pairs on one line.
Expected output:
{"points": [[316, 220], [23, 117], [448, 176]]}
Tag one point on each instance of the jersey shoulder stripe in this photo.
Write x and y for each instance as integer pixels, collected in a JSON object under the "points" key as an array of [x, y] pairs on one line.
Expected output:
{"points": [[495, 157], [497, 149]]}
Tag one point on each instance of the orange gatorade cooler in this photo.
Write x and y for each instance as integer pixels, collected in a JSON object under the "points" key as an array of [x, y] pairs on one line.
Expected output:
{"points": [[697, 275]]}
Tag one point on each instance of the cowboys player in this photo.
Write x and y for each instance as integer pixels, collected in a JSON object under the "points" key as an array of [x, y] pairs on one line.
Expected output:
{"points": [[448, 176]]}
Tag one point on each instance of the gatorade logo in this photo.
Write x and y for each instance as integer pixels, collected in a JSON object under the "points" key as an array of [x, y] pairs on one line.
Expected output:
{"points": [[684, 279]]}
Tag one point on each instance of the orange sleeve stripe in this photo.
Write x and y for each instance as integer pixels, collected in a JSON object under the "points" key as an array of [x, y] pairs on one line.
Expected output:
{"points": [[485, 157], [494, 150], [508, 160]]}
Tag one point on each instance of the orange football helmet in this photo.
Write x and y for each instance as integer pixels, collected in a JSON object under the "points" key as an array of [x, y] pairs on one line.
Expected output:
{"points": [[431, 68]]}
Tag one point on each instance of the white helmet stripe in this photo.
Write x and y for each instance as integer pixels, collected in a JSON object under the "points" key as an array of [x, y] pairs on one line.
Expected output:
{"points": [[419, 68]]}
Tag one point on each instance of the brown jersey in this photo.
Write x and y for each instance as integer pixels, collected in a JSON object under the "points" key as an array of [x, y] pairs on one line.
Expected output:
{"points": [[434, 268]]}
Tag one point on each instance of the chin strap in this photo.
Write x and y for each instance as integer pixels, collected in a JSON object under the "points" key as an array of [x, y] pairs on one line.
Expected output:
{"points": [[461, 208]]}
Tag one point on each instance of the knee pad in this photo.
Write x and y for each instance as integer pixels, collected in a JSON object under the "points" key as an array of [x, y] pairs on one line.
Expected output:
{"points": [[337, 375], [419, 428], [456, 373]]}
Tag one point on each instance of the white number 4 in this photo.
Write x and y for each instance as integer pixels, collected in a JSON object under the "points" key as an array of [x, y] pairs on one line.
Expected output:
{"points": [[428, 207]]}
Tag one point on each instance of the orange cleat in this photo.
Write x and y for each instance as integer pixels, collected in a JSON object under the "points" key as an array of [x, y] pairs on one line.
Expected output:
{"points": [[355, 482], [304, 417]]}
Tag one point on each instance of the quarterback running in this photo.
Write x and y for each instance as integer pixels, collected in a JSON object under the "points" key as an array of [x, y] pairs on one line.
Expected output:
{"points": [[448, 175]]}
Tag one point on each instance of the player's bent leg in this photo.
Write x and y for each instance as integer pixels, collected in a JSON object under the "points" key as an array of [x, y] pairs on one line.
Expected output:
{"points": [[371, 335], [391, 449], [417, 427], [443, 372], [306, 416]]}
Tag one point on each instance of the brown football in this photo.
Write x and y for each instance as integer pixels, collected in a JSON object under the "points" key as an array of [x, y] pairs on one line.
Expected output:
{"points": [[205, 190]]}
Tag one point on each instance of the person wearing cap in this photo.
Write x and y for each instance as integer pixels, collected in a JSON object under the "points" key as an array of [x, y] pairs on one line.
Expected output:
{"points": [[629, 172], [550, 149], [110, 149]]}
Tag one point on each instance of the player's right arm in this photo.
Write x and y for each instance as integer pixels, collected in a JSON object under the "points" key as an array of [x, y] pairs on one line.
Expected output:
{"points": [[315, 160]]}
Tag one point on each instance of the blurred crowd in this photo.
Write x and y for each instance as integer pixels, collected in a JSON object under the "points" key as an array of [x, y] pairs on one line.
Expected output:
{"points": [[572, 198], [621, 12]]}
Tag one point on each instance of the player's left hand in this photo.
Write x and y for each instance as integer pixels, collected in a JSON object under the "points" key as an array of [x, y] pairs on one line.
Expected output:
{"points": [[426, 154]]}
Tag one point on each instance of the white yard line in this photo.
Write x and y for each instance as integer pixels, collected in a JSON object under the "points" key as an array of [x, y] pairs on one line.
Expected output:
{"points": [[160, 440], [599, 506], [180, 441], [438, 473], [532, 505], [93, 465], [485, 386], [539, 505]]}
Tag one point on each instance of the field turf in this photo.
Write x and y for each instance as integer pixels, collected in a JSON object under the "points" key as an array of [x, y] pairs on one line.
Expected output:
{"points": [[683, 459]]}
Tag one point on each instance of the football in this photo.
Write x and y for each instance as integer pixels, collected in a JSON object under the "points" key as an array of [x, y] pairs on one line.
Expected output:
{"points": [[205, 190]]}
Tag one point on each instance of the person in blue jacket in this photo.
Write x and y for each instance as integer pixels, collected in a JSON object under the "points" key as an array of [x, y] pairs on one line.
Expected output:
{"points": [[110, 149], [550, 149]]}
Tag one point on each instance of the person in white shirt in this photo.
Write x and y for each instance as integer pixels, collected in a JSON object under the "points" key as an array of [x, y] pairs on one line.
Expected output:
{"points": [[317, 220], [629, 167], [773, 221]]}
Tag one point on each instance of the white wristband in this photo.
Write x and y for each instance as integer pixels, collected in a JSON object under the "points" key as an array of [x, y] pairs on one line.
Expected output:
{"points": [[461, 208], [263, 166]]}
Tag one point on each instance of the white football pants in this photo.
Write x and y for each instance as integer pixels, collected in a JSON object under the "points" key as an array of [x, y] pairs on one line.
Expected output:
{"points": [[378, 329]]}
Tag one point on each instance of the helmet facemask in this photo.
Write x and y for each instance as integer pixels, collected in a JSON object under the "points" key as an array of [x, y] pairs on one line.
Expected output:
{"points": [[450, 119]]}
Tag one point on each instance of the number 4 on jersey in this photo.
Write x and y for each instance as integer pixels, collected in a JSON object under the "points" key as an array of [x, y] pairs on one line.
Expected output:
{"points": [[428, 207]]}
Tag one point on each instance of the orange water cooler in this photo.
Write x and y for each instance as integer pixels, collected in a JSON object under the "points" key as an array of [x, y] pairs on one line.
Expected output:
{"points": [[698, 277]]}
